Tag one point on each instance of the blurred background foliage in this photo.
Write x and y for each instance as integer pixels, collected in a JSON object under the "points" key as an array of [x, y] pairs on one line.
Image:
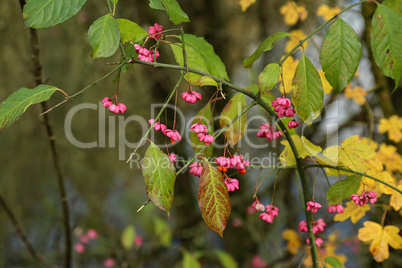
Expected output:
{"points": [[105, 192]]}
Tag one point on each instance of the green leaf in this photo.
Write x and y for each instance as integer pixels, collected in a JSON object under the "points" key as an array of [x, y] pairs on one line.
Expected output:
{"points": [[226, 259], [200, 56], [207, 81], [386, 41], [114, 2], [190, 260], [172, 8], [127, 237], [104, 36], [394, 4], [340, 54], [343, 189], [206, 120], [159, 175], [233, 108], [213, 199], [334, 262], [163, 231], [269, 77], [41, 14], [303, 146], [131, 31], [307, 91], [16, 104], [267, 45]]}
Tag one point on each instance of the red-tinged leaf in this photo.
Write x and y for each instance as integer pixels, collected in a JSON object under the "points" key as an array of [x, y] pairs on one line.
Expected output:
{"points": [[307, 92], [269, 77], [340, 54], [213, 199], [159, 175], [232, 109], [386, 41], [198, 145]]}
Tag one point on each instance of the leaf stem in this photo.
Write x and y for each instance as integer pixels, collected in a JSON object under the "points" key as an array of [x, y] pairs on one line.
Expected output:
{"points": [[356, 172]]}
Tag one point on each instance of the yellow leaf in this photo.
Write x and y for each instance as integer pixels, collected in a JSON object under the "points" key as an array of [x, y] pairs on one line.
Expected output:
{"points": [[388, 178], [304, 148], [289, 10], [390, 158], [288, 72], [393, 126], [396, 199], [351, 154], [294, 240], [293, 13], [357, 93], [380, 239], [246, 4], [303, 13], [370, 142], [294, 41], [326, 12], [352, 211], [325, 84]]}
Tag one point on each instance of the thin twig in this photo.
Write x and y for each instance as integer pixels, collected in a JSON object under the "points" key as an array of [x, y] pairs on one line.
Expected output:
{"points": [[21, 234], [37, 72]]}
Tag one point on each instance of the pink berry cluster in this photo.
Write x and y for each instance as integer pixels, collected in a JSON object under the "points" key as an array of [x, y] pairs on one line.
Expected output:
{"points": [[145, 54], [269, 211], [196, 169], [232, 184], [155, 32], [173, 157], [269, 132], [191, 96], [174, 135], [338, 208], [313, 206], [364, 198], [91, 234], [235, 161], [282, 107], [114, 108], [318, 227], [202, 131]]}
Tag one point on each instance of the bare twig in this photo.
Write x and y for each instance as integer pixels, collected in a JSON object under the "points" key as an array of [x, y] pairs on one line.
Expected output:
{"points": [[37, 71], [21, 234]]}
